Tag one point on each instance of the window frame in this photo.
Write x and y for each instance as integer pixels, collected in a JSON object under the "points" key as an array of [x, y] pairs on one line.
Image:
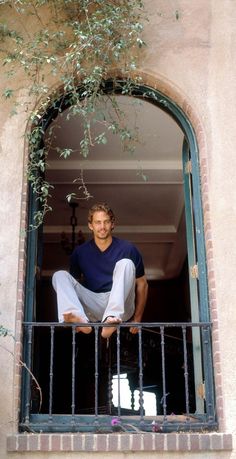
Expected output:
{"points": [[190, 147]]}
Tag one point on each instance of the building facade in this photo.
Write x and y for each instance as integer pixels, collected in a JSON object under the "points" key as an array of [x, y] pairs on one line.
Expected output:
{"points": [[189, 63]]}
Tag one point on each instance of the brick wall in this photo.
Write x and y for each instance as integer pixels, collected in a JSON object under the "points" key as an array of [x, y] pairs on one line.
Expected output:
{"points": [[172, 442]]}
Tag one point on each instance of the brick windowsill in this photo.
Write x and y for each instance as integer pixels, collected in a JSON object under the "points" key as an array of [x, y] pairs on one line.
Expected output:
{"points": [[120, 442]]}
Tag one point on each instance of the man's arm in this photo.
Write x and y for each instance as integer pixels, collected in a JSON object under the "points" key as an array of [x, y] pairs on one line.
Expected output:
{"points": [[140, 301]]}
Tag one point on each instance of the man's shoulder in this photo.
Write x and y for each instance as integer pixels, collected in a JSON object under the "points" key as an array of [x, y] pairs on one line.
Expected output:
{"points": [[123, 243], [126, 249]]}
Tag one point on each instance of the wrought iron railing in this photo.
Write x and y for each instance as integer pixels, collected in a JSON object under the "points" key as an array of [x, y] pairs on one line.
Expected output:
{"points": [[77, 382]]}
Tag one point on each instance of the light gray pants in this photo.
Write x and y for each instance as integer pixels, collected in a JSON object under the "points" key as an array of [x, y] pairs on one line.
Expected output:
{"points": [[91, 306]]}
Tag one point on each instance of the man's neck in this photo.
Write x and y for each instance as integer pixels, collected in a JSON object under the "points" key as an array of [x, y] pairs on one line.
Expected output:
{"points": [[103, 244]]}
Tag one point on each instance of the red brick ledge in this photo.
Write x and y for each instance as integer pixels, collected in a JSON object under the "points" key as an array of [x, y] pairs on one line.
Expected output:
{"points": [[120, 442]]}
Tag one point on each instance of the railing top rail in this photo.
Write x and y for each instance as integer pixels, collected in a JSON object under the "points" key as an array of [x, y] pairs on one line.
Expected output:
{"points": [[123, 324]]}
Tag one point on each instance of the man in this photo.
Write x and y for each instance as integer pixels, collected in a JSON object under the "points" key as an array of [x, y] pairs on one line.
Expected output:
{"points": [[112, 287]]}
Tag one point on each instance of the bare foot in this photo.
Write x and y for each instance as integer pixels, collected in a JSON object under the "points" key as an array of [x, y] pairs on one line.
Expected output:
{"points": [[107, 331], [71, 317]]}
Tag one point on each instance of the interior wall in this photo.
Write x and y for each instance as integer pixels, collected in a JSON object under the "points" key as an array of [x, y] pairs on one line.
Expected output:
{"points": [[168, 300]]}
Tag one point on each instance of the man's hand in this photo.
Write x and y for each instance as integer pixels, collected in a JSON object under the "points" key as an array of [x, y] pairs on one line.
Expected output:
{"points": [[136, 319], [133, 330]]}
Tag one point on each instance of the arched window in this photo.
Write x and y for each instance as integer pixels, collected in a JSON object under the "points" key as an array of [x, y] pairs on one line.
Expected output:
{"points": [[165, 370]]}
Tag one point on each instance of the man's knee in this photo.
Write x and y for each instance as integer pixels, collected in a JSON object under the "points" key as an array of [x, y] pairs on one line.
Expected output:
{"points": [[126, 264], [58, 276], [124, 269]]}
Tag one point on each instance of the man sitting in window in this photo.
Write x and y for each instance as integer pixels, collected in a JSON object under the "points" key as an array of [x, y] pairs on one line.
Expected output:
{"points": [[113, 287]]}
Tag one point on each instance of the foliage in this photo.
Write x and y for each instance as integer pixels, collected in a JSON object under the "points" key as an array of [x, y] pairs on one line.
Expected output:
{"points": [[4, 331], [79, 44]]}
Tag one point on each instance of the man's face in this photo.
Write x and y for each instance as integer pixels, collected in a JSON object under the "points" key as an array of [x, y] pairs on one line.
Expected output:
{"points": [[101, 225]]}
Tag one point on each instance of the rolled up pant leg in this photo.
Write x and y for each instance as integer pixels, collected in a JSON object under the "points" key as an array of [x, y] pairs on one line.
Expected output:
{"points": [[67, 299], [73, 297]]}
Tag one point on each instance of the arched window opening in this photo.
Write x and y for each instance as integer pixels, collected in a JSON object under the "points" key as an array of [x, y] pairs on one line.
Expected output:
{"points": [[162, 377]]}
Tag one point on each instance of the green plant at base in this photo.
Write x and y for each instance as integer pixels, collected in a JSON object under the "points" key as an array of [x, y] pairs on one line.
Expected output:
{"points": [[76, 46]]}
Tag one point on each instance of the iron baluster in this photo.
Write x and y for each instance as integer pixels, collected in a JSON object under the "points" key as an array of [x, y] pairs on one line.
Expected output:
{"points": [[28, 376], [51, 372], [73, 375], [109, 380], [96, 376], [186, 375], [208, 373], [132, 400], [140, 358], [118, 367], [163, 371]]}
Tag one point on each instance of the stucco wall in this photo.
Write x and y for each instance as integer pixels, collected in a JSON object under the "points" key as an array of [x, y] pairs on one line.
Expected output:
{"points": [[194, 57], [190, 55]]}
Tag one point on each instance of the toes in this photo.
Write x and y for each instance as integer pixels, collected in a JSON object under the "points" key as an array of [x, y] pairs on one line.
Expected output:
{"points": [[67, 316], [112, 320], [107, 331], [73, 318]]}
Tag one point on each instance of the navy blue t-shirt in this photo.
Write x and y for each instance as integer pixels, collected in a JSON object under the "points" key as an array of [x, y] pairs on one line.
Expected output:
{"points": [[97, 267]]}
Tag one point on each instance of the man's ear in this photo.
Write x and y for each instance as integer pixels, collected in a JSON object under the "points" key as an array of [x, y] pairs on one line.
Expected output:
{"points": [[90, 226], [112, 226]]}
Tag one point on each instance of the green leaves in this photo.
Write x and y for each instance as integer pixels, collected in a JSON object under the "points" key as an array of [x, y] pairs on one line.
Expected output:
{"points": [[101, 138], [4, 331], [75, 46], [65, 153], [7, 93]]}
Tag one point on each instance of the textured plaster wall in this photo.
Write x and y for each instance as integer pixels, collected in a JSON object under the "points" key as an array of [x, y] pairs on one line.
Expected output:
{"points": [[221, 110], [179, 44], [191, 51], [11, 159]]}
